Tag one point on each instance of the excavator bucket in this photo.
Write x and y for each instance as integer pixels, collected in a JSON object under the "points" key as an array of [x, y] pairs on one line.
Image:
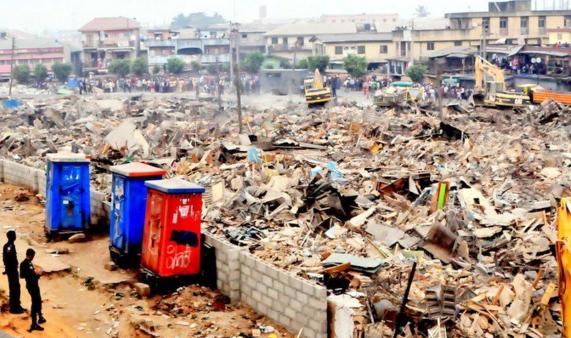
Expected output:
{"points": [[317, 79], [563, 250]]}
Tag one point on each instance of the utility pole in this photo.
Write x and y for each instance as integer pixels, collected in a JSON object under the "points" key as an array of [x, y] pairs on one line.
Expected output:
{"points": [[231, 33], [12, 66], [484, 36], [236, 32], [411, 44], [439, 84]]}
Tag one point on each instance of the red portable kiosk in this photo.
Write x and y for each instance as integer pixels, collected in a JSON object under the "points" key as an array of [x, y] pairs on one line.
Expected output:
{"points": [[172, 236]]}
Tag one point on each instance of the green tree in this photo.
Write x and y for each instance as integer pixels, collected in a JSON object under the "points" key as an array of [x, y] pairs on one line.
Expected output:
{"points": [[22, 73], [416, 72], [355, 65], [199, 19], [41, 72], [303, 64], [175, 65], [253, 62], [139, 66], [269, 66], [318, 62], [421, 12], [196, 66], [120, 67], [285, 64], [61, 70], [156, 69]]}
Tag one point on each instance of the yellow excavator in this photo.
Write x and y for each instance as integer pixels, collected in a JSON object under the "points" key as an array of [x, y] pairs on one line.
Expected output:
{"points": [[315, 92], [490, 88]]}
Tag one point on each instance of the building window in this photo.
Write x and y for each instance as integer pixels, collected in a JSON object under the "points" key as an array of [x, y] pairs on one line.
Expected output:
{"points": [[338, 50], [300, 40], [430, 45], [523, 22], [503, 23], [244, 36], [333, 21], [395, 20], [384, 20], [559, 36], [384, 49], [541, 22], [486, 24], [360, 49], [274, 41], [567, 21], [457, 43]]}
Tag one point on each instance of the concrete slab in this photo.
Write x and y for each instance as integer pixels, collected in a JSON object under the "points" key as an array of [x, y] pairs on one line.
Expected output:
{"points": [[48, 263]]}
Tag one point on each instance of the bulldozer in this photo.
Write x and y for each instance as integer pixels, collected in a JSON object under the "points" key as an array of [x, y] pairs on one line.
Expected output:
{"points": [[490, 87], [315, 92]]}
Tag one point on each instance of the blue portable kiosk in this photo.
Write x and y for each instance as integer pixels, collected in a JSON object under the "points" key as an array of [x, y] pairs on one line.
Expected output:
{"points": [[68, 208], [129, 201]]}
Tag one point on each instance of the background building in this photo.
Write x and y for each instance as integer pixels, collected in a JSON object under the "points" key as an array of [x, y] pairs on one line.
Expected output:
{"points": [[296, 39], [32, 52], [108, 39]]}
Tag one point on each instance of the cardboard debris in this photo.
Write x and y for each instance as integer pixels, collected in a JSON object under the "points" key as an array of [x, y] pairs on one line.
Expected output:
{"points": [[348, 188]]}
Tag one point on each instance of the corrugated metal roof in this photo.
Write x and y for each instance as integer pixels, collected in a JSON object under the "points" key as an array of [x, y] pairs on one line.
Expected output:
{"points": [[453, 50], [109, 24], [359, 37], [30, 43], [304, 29]]}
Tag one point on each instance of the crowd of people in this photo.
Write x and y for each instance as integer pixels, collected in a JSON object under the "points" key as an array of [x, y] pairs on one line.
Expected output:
{"points": [[249, 84]]}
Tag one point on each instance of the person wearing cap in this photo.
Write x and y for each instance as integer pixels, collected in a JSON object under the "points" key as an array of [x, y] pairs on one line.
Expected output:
{"points": [[10, 259], [32, 275]]}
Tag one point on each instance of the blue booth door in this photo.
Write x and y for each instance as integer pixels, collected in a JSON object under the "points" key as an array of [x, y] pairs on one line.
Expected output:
{"points": [[71, 190], [118, 226]]}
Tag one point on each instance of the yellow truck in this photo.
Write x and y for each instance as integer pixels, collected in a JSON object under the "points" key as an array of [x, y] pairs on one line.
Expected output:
{"points": [[315, 92]]}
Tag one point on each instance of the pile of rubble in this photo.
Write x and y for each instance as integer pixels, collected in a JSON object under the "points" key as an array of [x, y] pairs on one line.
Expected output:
{"points": [[353, 197]]}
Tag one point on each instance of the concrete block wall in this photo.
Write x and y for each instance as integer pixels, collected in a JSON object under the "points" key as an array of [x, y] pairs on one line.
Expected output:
{"points": [[287, 299], [227, 266]]}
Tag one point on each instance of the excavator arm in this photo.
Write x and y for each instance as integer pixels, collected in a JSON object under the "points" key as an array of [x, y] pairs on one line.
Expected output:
{"points": [[485, 71], [563, 249]]}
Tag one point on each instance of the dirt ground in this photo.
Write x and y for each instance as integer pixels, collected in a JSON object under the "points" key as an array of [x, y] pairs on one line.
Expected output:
{"points": [[82, 299]]}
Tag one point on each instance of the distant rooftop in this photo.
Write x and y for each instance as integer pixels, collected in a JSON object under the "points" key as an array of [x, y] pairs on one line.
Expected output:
{"points": [[109, 24], [313, 28], [30, 43], [18, 34], [360, 37]]}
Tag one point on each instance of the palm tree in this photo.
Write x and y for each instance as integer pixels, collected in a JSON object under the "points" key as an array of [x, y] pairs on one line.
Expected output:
{"points": [[421, 12]]}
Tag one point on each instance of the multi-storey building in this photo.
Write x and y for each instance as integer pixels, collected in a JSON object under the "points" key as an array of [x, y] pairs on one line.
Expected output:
{"points": [[32, 52], [506, 22], [297, 39], [376, 47], [108, 39]]}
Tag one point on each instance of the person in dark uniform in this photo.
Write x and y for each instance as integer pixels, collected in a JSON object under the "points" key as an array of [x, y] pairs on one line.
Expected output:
{"points": [[10, 259], [31, 275]]}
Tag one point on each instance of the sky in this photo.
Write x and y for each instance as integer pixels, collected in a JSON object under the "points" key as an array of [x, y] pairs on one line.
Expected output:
{"points": [[35, 16]]}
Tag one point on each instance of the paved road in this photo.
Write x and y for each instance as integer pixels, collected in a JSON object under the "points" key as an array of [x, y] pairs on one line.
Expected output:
{"points": [[5, 335]]}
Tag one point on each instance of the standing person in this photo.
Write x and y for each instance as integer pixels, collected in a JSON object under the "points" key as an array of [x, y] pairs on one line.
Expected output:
{"points": [[10, 259], [31, 275]]}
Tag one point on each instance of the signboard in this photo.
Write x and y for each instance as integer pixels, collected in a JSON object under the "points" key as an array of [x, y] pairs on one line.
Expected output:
{"points": [[450, 80], [407, 35]]}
